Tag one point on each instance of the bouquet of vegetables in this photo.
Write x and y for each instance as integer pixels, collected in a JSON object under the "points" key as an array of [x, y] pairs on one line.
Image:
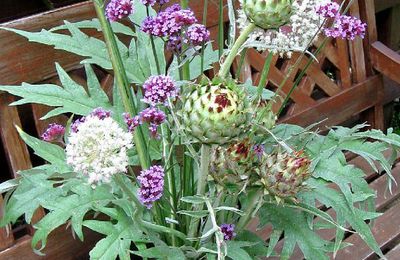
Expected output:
{"points": [[178, 161]]}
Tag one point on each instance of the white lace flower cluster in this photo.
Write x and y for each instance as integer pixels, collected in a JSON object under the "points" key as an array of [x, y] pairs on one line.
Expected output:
{"points": [[295, 36], [98, 149]]}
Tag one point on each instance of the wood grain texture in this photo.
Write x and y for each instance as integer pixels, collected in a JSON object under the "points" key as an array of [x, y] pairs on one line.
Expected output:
{"points": [[335, 110]]}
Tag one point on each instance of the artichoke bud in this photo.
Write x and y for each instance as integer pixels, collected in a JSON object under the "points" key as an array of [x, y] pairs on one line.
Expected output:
{"points": [[268, 14], [214, 112], [231, 167], [283, 174]]}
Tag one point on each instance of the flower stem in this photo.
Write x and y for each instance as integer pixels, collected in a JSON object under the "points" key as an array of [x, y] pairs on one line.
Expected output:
{"points": [[153, 47], [201, 185], [250, 211], [205, 9], [122, 81], [168, 164], [235, 49], [186, 66], [221, 28]]}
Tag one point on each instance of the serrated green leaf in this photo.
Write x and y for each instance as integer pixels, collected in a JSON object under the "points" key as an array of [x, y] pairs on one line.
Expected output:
{"points": [[81, 44], [9, 185], [236, 251], [336, 200], [296, 231], [118, 239], [72, 98], [48, 151], [31, 191], [74, 207], [95, 24]]}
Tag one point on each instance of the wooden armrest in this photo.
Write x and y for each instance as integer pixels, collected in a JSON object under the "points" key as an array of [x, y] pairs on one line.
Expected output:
{"points": [[386, 61]]}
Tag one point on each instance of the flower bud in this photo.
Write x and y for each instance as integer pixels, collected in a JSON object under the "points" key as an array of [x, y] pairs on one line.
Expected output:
{"points": [[268, 14]]}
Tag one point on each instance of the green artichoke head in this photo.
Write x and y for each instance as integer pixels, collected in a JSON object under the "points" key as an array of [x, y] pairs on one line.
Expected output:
{"points": [[268, 14], [232, 167], [283, 174], [215, 112]]}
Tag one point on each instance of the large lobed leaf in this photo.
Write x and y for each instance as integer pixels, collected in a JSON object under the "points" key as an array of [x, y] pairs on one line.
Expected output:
{"points": [[70, 98]]}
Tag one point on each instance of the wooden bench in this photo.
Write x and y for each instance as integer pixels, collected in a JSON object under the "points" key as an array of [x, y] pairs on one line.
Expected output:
{"points": [[318, 97]]}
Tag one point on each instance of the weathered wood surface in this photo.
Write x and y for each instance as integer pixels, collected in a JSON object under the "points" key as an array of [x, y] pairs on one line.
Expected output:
{"points": [[386, 61]]}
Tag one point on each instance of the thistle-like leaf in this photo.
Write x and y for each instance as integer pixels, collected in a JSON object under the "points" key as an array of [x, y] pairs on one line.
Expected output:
{"points": [[71, 98]]}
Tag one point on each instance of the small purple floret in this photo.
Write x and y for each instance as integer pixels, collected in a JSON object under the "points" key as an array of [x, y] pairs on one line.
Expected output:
{"points": [[168, 22], [157, 90], [101, 113], [154, 117], [229, 231], [54, 132], [119, 9], [132, 122], [197, 34], [259, 150], [328, 10], [151, 185]]}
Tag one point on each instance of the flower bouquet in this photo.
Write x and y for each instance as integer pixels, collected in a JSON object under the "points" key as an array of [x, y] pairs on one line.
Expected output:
{"points": [[178, 161]]}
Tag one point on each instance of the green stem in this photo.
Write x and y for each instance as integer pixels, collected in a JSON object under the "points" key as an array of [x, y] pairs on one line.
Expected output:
{"points": [[201, 185], [122, 81], [250, 211], [264, 75], [168, 164], [205, 8], [221, 28], [235, 49], [153, 47], [186, 66], [241, 62]]}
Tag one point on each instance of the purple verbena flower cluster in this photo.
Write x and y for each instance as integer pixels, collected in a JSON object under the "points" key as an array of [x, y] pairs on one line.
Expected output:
{"points": [[119, 9], [197, 34], [229, 231], [151, 185], [99, 112], [172, 23], [157, 90], [328, 10], [344, 26], [132, 122], [54, 132], [154, 117]]}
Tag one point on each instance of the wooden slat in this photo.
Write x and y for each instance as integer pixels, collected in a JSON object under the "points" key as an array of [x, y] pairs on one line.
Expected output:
{"points": [[16, 150], [337, 109], [25, 61], [60, 245], [386, 61], [394, 253]]}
